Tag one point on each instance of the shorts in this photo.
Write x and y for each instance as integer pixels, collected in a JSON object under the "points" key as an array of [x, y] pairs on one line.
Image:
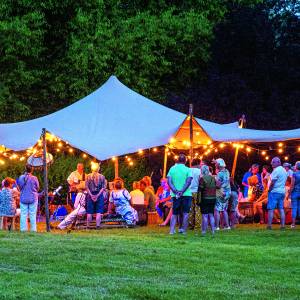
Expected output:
{"points": [[221, 205], [182, 204], [233, 201], [275, 200], [207, 206], [96, 207]]}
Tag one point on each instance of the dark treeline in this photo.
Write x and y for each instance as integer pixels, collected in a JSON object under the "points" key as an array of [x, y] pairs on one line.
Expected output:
{"points": [[226, 57]]}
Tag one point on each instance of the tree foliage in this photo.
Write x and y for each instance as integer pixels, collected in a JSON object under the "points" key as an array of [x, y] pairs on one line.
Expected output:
{"points": [[227, 57]]}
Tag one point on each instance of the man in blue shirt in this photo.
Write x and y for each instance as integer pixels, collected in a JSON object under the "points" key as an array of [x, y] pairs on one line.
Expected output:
{"points": [[245, 182]]}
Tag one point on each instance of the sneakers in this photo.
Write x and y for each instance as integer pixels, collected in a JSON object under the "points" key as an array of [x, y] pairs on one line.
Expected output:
{"points": [[227, 228], [180, 230], [293, 226], [217, 228]]}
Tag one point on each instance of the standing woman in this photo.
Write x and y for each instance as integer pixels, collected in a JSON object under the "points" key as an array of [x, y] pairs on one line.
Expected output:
{"points": [[95, 186], [295, 194], [207, 188], [29, 187]]}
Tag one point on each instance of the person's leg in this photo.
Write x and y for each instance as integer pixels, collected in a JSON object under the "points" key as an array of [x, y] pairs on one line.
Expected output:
{"points": [[187, 203], [23, 217], [217, 219], [261, 214], [298, 206], [168, 218], [176, 211], [212, 222], [89, 219], [185, 222], [295, 208], [280, 203], [232, 219], [282, 217], [173, 224], [68, 219], [270, 217], [98, 220], [225, 218], [89, 211], [204, 223], [271, 205], [32, 216]]}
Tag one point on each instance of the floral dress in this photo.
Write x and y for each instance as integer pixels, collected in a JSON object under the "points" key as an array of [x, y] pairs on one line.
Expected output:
{"points": [[7, 202], [121, 201]]}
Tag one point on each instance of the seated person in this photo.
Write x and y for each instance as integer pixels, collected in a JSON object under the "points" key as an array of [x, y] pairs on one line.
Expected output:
{"points": [[149, 195], [164, 202], [163, 197], [148, 181], [254, 184], [120, 198], [137, 196], [79, 210], [8, 200], [76, 181]]}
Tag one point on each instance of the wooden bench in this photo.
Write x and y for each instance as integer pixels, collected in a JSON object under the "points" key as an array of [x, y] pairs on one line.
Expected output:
{"points": [[109, 221]]}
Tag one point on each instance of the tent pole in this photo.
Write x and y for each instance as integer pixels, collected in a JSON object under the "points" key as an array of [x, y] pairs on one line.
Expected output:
{"points": [[117, 167], [242, 122], [45, 168], [191, 133], [165, 162]]}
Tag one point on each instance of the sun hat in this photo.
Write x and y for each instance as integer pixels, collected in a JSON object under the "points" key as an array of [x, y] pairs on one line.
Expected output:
{"points": [[220, 162]]}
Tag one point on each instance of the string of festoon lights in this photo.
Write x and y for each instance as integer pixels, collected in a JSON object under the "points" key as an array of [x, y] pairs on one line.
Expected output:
{"points": [[56, 145]]}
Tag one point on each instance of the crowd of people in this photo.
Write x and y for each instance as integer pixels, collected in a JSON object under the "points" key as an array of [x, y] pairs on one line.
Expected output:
{"points": [[178, 196], [218, 195]]}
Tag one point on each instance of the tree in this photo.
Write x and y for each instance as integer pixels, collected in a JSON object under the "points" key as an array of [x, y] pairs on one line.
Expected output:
{"points": [[55, 52]]}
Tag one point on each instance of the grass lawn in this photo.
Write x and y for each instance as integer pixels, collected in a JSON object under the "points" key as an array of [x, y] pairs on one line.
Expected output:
{"points": [[147, 263]]}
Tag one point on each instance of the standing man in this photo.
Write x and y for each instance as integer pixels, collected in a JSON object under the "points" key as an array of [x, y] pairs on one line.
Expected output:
{"points": [[276, 192], [95, 186], [245, 182], [223, 193], [29, 187], [179, 180], [76, 181]]}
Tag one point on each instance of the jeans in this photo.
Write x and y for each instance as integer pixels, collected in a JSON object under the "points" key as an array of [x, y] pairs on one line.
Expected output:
{"points": [[28, 209], [295, 197]]}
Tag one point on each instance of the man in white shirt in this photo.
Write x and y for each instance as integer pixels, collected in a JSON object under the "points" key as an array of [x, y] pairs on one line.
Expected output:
{"points": [[76, 181], [276, 192]]}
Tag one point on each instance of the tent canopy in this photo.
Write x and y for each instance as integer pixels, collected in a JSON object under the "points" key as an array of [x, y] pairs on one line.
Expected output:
{"points": [[114, 120]]}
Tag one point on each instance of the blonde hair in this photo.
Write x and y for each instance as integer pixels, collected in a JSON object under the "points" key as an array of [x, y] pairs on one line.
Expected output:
{"points": [[147, 180], [95, 166], [205, 170]]}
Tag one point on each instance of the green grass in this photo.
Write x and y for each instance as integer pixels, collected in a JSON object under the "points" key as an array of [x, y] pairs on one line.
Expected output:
{"points": [[147, 263]]}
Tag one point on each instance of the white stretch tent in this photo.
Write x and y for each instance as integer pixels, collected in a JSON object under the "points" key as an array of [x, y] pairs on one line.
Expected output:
{"points": [[114, 120]]}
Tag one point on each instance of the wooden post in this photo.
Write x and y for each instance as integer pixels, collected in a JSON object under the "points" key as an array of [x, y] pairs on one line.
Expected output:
{"points": [[165, 162], [45, 168], [242, 122], [116, 167], [191, 133]]}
